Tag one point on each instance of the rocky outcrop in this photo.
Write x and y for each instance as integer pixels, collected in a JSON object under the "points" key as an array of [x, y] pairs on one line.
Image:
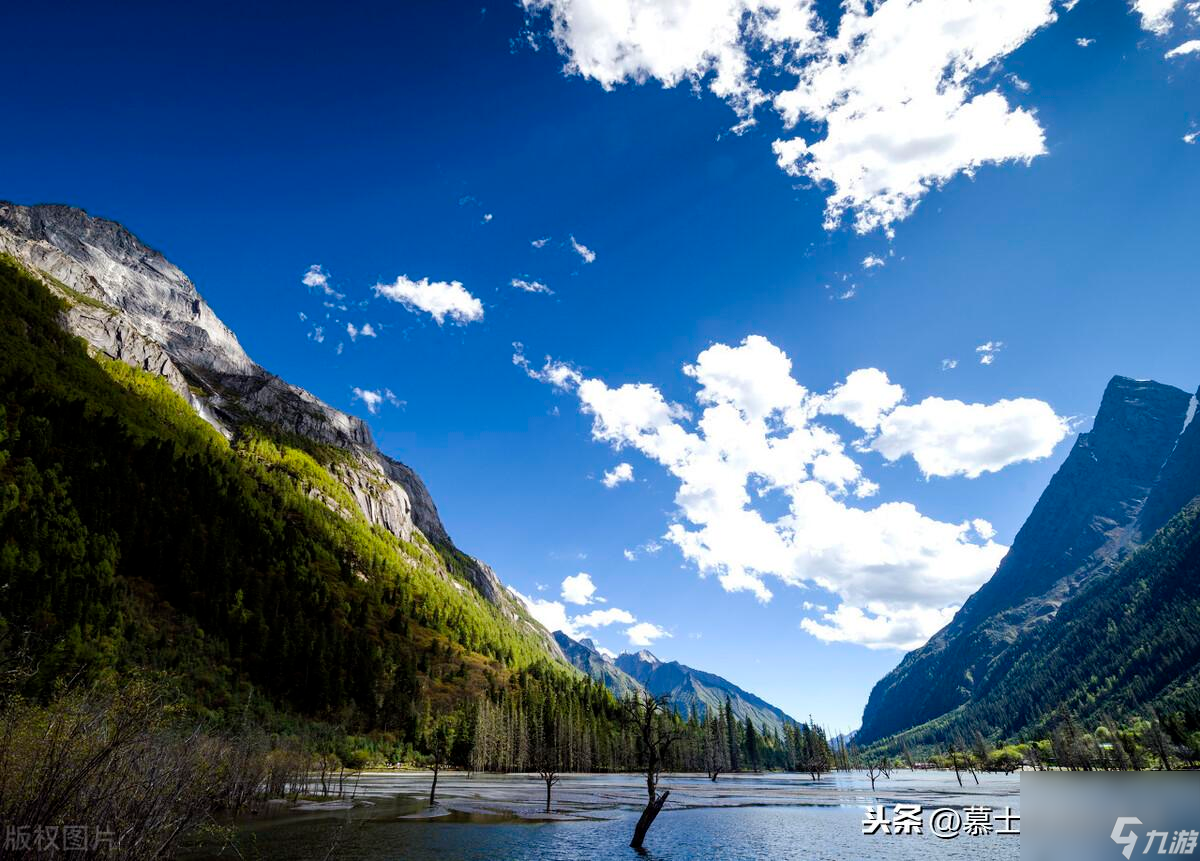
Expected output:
{"points": [[130, 303], [1098, 507]]}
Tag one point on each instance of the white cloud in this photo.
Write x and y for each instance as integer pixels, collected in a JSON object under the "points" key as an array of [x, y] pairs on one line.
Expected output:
{"points": [[872, 261], [487, 216], [440, 299], [1190, 137], [340, 348], [554, 615], [317, 334], [864, 398], [551, 614], [578, 589], [530, 286], [898, 573], [620, 473], [630, 555], [1019, 83], [894, 90], [1190, 47], [645, 633], [374, 399], [983, 528], [1084, 42], [608, 653], [540, 243], [1156, 14], [954, 438], [601, 618], [367, 331], [949, 364], [316, 278], [557, 374], [987, 352], [588, 255], [614, 41]]}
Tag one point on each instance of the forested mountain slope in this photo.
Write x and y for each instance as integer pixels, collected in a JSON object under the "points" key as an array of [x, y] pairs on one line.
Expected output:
{"points": [[197, 536], [1122, 481]]}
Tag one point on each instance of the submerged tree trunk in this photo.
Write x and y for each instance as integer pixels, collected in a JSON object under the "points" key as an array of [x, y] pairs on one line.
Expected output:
{"points": [[433, 789], [647, 819]]}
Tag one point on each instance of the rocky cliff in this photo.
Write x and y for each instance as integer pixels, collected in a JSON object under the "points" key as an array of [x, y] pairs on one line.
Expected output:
{"points": [[130, 303], [1136, 468]]}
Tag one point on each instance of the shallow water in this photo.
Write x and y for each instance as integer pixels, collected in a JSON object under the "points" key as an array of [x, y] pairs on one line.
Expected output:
{"points": [[489, 817]]}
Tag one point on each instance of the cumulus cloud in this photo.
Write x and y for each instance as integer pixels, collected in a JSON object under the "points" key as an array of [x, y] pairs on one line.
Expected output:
{"points": [[614, 41], [588, 255], [1190, 137], [898, 573], [600, 618], [530, 286], [872, 261], [864, 398], [622, 472], [439, 299], [894, 91], [317, 334], [1156, 14], [1190, 47], [578, 589], [1084, 42], [949, 364], [987, 352], [645, 633], [540, 243], [954, 438]]}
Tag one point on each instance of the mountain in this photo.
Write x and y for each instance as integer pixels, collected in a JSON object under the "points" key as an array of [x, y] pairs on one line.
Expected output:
{"points": [[688, 688], [167, 503], [583, 656], [140, 309], [694, 689], [1098, 528]]}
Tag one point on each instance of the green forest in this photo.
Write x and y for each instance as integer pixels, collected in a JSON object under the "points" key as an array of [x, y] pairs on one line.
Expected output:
{"points": [[136, 539]]}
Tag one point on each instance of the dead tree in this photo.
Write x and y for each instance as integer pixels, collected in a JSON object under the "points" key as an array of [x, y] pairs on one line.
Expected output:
{"points": [[439, 744], [548, 751], [876, 769], [655, 728]]}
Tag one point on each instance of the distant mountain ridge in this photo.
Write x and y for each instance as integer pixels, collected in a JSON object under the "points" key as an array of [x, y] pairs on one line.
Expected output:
{"points": [[1137, 468], [689, 689]]}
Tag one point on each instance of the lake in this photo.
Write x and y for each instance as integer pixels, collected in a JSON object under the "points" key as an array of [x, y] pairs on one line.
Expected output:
{"points": [[491, 817]]}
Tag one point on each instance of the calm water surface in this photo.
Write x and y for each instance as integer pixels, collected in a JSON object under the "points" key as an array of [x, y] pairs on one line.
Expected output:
{"points": [[740, 817]]}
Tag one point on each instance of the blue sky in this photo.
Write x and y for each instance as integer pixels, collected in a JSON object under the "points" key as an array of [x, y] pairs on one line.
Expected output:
{"points": [[249, 146]]}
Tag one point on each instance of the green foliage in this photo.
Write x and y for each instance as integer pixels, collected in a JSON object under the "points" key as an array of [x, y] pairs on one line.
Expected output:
{"points": [[133, 535]]}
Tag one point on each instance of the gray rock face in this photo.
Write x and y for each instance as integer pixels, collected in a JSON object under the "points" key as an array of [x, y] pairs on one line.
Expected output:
{"points": [[139, 308], [102, 259]]}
